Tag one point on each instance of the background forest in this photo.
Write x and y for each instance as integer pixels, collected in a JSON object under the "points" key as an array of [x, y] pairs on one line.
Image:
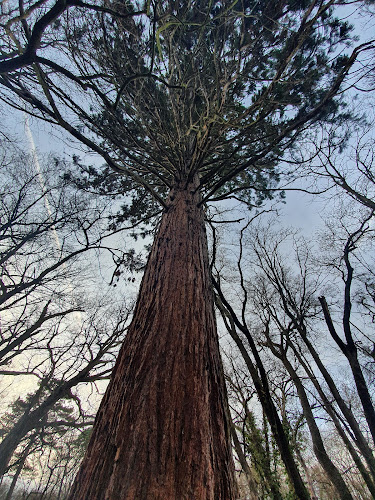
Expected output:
{"points": [[267, 109]]}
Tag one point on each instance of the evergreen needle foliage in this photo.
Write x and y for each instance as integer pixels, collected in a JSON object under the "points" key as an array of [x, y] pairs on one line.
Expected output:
{"points": [[167, 91]]}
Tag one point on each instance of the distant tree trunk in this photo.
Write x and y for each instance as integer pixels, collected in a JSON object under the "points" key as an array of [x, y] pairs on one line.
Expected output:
{"points": [[18, 470], [350, 350], [341, 429], [318, 446], [259, 377], [33, 419], [309, 480], [162, 430], [360, 439], [253, 487]]}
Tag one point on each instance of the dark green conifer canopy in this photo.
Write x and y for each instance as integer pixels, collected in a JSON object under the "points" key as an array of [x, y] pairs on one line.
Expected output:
{"points": [[171, 91]]}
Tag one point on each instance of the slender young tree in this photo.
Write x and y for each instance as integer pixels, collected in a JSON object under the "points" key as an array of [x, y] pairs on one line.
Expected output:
{"points": [[192, 102]]}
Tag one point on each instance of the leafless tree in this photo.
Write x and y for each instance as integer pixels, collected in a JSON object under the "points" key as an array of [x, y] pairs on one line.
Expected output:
{"points": [[53, 328], [47, 231], [281, 304]]}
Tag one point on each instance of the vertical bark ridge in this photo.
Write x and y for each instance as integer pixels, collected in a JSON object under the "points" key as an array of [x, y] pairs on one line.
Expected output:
{"points": [[162, 430]]}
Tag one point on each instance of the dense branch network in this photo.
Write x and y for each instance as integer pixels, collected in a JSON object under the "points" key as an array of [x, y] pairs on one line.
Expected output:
{"points": [[174, 90]]}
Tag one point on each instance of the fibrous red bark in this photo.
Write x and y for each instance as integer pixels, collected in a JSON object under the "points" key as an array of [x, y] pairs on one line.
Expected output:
{"points": [[162, 429]]}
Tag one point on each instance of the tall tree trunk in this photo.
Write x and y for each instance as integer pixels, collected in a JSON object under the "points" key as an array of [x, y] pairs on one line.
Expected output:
{"points": [[162, 430], [259, 377], [330, 409], [350, 349], [360, 439], [318, 446]]}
